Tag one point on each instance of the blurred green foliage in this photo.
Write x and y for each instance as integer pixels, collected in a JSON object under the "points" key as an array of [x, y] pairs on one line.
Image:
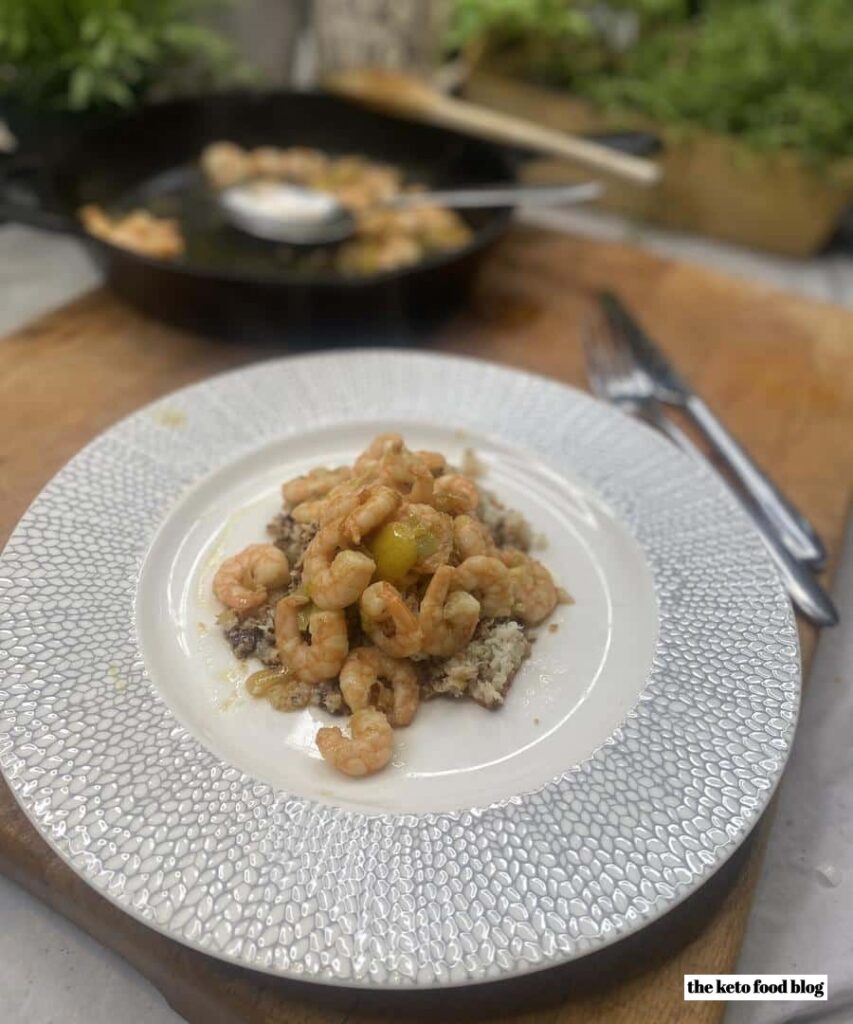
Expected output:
{"points": [[91, 54], [517, 20], [557, 19], [774, 73]]}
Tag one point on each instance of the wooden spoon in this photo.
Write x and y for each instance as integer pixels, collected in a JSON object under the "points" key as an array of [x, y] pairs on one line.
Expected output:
{"points": [[399, 93]]}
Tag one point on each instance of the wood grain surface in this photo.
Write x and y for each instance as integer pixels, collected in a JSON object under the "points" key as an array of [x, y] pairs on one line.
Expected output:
{"points": [[778, 368]]}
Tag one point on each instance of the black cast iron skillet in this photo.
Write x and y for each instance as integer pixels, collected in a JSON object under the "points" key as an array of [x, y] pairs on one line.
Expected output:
{"points": [[228, 284]]}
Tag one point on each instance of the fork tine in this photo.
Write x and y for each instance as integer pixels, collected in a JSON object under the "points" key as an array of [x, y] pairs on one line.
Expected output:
{"points": [[607, 367], [596, 365], [613, 349]]}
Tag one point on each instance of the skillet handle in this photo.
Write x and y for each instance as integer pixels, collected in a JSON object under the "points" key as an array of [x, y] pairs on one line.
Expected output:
{"points": [[22, 197]]}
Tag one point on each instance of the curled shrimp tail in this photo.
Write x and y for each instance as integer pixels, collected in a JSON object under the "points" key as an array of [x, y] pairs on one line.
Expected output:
{"points": [[471, 537], [367, 750], [448, 616], [533, 591], [488, 579], [389, 622], [455, 494], [362, 678], [335, 576], [373, 507], [381, 445], [316, 484], [244, 581], [324, 656]]}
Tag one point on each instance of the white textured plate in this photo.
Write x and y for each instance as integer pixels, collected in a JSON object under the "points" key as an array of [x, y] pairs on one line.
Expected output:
{"points": [[635, 751]]}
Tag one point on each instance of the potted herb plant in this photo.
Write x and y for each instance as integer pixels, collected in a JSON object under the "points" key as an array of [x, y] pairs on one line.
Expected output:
{"points": [[67, 62], [750, 98]]}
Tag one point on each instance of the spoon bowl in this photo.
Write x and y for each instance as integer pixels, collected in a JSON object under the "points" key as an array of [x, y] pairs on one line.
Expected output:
{"points": [[278, 212]]}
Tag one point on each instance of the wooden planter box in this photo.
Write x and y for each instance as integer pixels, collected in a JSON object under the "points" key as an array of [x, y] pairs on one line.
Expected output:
{"points": [[712, 184]]}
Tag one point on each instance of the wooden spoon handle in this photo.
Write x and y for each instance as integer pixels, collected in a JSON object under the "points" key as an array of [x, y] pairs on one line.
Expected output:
{"points": [[398, 93]]}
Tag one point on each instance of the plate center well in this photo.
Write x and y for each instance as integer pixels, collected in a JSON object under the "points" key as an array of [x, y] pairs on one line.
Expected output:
{"points": [[580, 682]]}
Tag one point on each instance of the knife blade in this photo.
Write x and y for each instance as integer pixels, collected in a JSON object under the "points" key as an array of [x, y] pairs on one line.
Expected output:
{"points": [[668, 386]]}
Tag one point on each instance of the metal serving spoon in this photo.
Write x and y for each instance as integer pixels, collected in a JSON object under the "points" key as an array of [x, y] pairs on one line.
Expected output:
{"points": [[279, 212]]}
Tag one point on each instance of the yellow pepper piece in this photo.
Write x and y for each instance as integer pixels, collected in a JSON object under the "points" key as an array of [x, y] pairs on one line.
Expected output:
{"points": [[394, 548]]}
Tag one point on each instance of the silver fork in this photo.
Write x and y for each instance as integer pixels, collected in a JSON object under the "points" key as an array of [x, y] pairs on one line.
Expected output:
{"points": [[615, 378]]}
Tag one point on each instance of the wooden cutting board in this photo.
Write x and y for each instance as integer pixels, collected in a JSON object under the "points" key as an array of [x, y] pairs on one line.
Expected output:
{"points": [[778, 368]]}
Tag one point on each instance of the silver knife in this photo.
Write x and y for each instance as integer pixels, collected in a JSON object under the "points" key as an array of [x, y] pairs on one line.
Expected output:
{"points": [[795, 531]]}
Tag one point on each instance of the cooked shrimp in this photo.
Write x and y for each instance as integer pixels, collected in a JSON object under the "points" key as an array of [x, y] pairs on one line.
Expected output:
{"points": [[362, 677], [438, 227], [374, 505], [325, 655], [434, 461], [381, 445], [434, 536], [342, 499], [359, 185], [309, 512], [95, 220], [391, 463], [488, 579], [405, 472], [533, 591], [139, 231], [447, 618], [244, 580], [225, 164], [455, 494], [369, 256], [378, 223], [316, 484], [299, 163], [265, 162], [339, 502], [471, 537], [368, 749], [333, 576], [511, 557], [389, 622]]}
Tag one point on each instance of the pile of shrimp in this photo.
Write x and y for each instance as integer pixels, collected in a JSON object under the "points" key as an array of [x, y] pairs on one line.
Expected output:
{"points": [[399, 569], [384, 238]]}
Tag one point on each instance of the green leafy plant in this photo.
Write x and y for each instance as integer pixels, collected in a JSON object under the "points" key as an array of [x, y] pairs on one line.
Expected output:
{"points": [[553, 22], [556, 19], [777, 74], [518, 19], [90, 54]]}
